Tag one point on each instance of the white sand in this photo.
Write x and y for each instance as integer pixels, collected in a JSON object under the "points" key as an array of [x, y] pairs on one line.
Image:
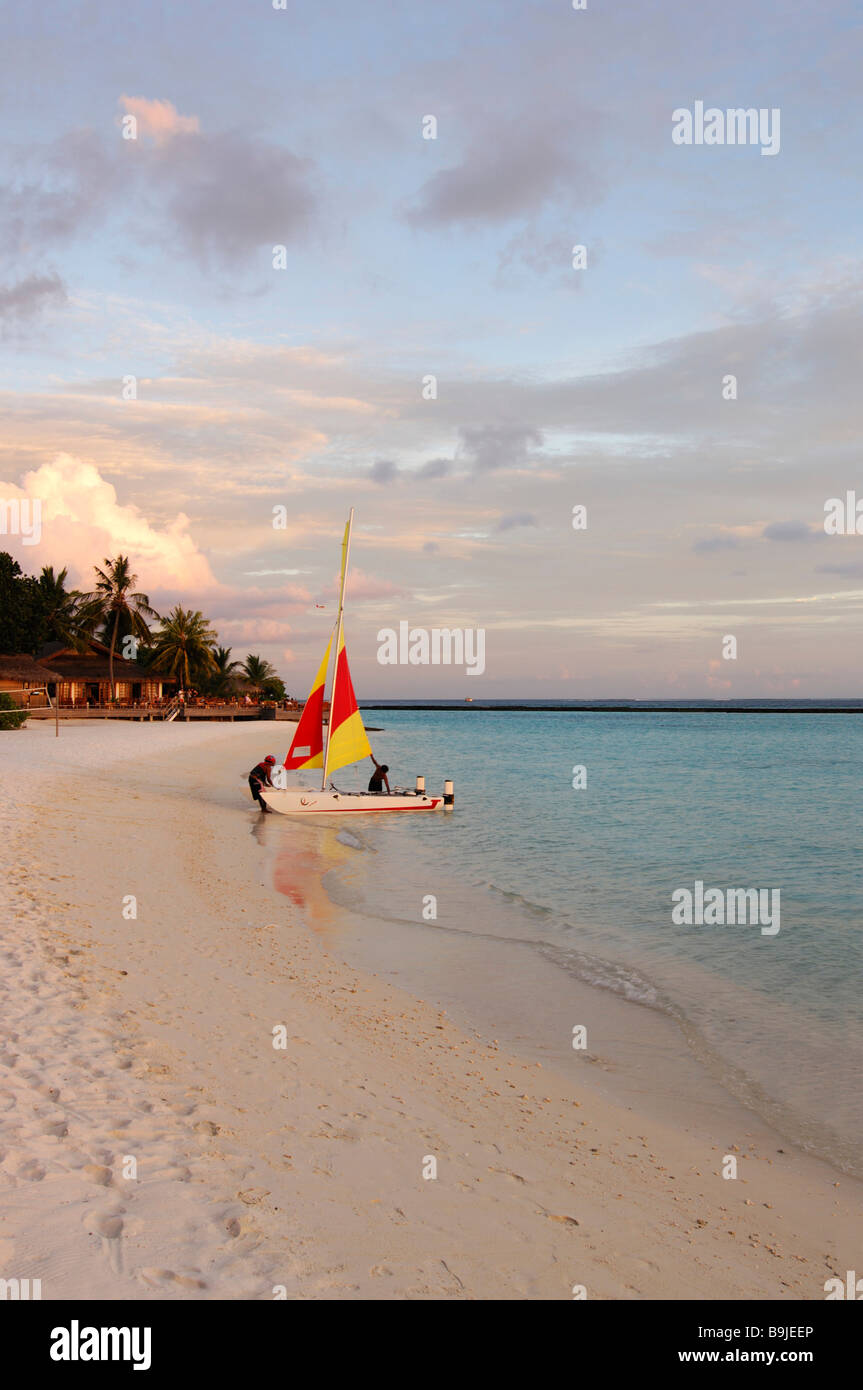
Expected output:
{"points": [[150, 1038]]}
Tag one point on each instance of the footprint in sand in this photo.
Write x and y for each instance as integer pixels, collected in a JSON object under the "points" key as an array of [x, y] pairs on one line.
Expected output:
{"points": [[175, 1174], [56, 1128], [97, 1173], [107, 1222], [253, 1196], [507, 1173], [30, 1170]]}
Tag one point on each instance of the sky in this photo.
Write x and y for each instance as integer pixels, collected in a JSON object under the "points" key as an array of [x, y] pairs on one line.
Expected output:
{"points": [[423, 349]]}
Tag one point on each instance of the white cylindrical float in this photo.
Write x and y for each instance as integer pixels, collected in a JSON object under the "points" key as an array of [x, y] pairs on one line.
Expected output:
{"points": [[421, 785], [448, 794]]}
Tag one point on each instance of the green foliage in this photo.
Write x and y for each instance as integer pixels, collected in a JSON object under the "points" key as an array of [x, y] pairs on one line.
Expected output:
{"points": [[61, 610], [35, 611], [184, 647], [258, 671], [22, 609], [273, 689], [146, 654], [221, 681], [11, 717], [115, 609]]}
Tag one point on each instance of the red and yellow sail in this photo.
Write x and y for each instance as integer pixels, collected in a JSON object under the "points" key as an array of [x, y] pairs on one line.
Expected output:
{"points": [[307, 749], [348, 741]]}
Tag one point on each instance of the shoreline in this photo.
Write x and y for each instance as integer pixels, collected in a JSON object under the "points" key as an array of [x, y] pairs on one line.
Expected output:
{"points": [[633, 1032], [545, 1179], [630, 1042], [615, 707]]}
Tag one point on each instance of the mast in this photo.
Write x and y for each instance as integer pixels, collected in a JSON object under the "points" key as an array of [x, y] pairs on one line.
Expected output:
{"points": [[345, 557]]}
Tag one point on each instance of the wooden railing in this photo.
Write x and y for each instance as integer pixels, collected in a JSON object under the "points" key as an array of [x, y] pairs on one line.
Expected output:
{"points": [[172, 709]]}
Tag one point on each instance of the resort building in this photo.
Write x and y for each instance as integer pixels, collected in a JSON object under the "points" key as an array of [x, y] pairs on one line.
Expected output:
{"points": [[21, 676], [83, 679]]}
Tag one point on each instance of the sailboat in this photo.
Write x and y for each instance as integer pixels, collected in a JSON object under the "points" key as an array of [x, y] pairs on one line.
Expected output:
{"points": [[342, 741]]}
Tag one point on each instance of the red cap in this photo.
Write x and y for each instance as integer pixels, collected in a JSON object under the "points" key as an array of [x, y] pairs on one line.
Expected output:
{"points": [[269, 758]]}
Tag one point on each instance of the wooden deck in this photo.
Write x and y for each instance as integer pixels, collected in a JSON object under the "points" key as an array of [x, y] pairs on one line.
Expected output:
{"points": [[149, 714]]}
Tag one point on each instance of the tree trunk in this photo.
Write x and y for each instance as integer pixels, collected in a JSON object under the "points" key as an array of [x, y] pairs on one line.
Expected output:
{"points": [[111, 654]]}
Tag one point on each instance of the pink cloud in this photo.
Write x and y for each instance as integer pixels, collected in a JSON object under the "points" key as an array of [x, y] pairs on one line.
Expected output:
{"points": [[286, 597], [251, 629], [83, 521], [361, 585], [159, 119]]}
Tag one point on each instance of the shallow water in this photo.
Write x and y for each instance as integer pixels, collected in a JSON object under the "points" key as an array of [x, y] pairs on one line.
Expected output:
{"points": [[586, 876]]}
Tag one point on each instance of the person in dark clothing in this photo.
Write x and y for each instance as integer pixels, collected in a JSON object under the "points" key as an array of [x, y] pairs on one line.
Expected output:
{"points": [[260, 776], [379, 777]]}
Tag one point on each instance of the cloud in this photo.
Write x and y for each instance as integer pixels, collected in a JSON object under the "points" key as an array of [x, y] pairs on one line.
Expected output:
{"points": [[82, 522], [252, 629], [712, 543], [506, 171], [435, 468], [364, 586], [220, 196], [431, 547], [802, 367], [28, 297], [850, 570], [61, 190], [498, 446], [159, 119], [228, 194], [513, 519], [286, 596], [383, 471], [791, 531]]}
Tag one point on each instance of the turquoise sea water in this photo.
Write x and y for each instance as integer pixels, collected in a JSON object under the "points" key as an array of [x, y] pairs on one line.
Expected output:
{"points": [[758, 801]]}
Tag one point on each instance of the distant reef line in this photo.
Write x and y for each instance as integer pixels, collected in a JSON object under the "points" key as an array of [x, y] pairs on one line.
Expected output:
{"points": [[615, 707]]}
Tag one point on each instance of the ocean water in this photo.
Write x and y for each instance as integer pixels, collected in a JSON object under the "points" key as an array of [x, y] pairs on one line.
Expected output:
{"points": [[769, 801]]}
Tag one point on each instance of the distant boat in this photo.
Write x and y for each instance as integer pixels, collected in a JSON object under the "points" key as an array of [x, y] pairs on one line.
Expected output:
{"points": [[468, 699], [345, 741]]}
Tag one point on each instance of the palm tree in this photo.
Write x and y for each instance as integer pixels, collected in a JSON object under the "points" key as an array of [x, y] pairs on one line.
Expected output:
{"points": [[258, 671], [185, 646], [114, 605], [61, 613], [223, 670]]}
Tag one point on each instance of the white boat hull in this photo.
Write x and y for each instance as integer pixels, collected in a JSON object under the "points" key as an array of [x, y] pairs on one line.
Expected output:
{"points": [[294, 801]]}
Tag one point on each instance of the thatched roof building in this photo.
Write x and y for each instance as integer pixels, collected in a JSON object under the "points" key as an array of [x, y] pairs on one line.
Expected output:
{"points": [[21, 674], [84, 677]]}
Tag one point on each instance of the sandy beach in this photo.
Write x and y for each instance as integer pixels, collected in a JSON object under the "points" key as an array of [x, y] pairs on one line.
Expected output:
{"points": [[160, 937]]}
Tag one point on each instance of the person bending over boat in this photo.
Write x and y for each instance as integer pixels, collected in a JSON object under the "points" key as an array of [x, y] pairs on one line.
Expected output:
{"points": [[260, 777], [379, 778]]}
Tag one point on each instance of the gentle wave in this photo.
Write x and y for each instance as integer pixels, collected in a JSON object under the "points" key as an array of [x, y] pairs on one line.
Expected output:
{"points": [[586, 877]]}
